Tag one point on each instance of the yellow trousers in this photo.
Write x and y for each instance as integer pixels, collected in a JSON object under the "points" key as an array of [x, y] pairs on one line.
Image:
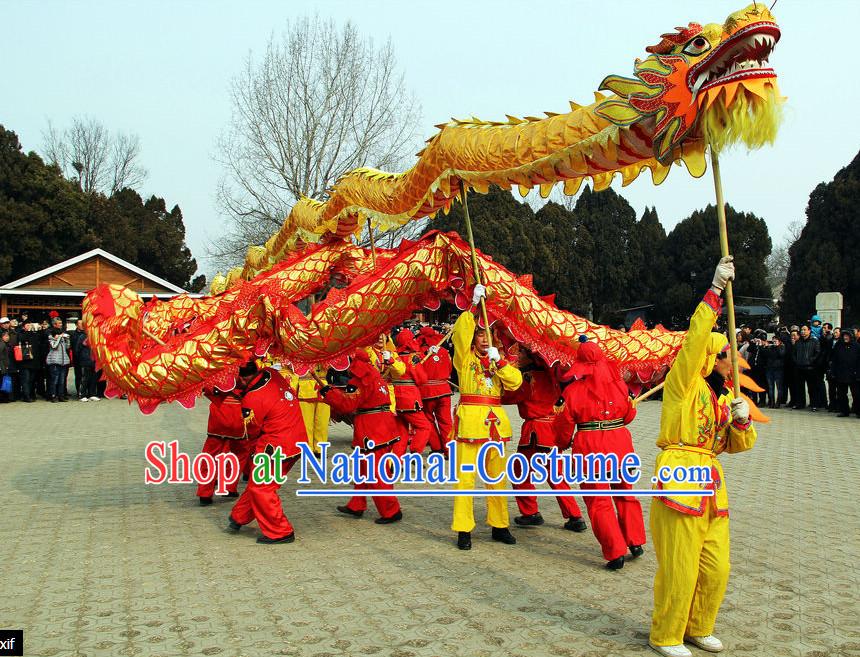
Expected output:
{"points": [[497, 507], [692, 572], [316, 416]]}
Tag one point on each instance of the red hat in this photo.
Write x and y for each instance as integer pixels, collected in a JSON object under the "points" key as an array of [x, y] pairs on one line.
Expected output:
{"points": [[405, 341], [53, 314], [362, 369]]}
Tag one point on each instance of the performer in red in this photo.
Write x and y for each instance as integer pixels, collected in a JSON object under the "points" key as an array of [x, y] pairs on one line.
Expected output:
{"points": [[410, 411], [539, 401], [598, 406], [225, 433], [375, 429], [271, 413], [436, 391]]}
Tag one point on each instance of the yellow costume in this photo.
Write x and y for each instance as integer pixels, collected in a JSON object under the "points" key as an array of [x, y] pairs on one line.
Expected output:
{"points": [[315, 412], [479, 418], [395, 369], [691, 534]]}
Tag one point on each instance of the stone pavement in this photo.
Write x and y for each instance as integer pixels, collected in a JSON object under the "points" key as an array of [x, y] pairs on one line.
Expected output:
{"points": [[93, 562]]}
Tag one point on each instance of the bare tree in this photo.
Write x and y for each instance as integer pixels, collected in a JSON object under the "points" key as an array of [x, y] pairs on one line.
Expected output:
{"points": [[322, 100], [100, 161], [779, 259]]}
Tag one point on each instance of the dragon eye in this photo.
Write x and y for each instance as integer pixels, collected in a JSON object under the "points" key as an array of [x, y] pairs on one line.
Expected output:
{"points": [[697, 46]]}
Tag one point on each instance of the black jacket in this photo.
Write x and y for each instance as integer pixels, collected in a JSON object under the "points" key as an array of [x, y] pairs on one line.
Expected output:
{"points": [[845, 362], [806, 353], [774, 356]]}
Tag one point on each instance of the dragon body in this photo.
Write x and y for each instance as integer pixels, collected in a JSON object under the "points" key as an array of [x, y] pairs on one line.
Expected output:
{"points": [[700, 86]]}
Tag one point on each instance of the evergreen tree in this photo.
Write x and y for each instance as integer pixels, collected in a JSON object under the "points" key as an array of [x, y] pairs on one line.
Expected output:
{"points": [[610, 221], [824, 257], [692, 249], [48, 218]]}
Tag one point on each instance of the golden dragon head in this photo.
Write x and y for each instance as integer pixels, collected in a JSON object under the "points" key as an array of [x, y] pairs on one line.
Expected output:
{"points": [[710, 82]]}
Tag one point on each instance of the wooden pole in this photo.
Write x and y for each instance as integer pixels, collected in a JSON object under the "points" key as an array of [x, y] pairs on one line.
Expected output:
{"points": [[648, 393], [152, 336], [724, 249], [475, 269], [444, 339], [372, 243]]}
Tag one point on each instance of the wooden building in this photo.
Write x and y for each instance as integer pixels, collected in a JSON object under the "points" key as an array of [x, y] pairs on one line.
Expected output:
{"points": [[63, 286]]}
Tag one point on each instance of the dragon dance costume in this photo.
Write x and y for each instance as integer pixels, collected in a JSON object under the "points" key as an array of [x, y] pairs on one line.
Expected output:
{"points": [[414, 425], [315, 412], [375, 428], [479, 418], [691, 534], [272, 416], [537, 400], [225, 432], [436, 392], [598, 407]]}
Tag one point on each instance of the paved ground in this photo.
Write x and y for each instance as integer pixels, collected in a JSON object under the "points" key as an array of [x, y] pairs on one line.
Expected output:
{"points": [[95, 563]]}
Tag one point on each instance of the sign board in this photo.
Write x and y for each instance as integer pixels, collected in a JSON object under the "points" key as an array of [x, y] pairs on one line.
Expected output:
{"points": [[828, 306]]}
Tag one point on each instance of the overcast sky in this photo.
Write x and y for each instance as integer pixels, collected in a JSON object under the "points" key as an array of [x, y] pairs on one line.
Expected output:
{"points": [[162, 69]]}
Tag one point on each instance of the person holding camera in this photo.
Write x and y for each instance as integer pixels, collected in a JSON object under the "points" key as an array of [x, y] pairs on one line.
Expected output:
{"points": [[58, 360]]}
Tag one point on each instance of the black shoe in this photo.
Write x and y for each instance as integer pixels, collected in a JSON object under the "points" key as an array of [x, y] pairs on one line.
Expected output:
{"points": [[234, 493], [464, 541], [387, 521], [289, 538], [63, 399], [350, 512], [54, 400], [503, 535], [205, 501], [842, 415], [533, 520], [615, 564], [636, 551], [813, 409], [575, 525], [232, 525]]}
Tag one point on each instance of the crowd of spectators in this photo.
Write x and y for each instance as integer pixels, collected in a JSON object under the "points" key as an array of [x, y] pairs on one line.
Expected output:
{"points": [[36, 357], [813, 365]]}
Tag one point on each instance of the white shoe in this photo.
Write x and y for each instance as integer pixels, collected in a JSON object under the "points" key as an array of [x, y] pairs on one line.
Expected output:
{"points": [[709, 643], [84, 399], [672, 651], [95, 398]]}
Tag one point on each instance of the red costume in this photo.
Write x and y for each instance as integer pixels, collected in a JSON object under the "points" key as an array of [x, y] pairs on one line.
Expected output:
{"points": [[271, 414], [598, 406], [374, 426], [436, 391], [410, 411], [538, 400], [225, 433]]}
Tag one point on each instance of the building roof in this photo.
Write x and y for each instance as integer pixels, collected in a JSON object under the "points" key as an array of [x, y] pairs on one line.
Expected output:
{"points": [[9, 287]]}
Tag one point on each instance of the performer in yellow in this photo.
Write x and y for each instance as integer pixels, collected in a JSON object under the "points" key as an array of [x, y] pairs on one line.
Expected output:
{"points": [[700, 419], [315, 412], [383, 356], [479, 418]]}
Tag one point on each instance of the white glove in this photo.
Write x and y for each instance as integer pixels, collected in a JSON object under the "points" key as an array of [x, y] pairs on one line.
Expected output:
{"points": [[434, 349], [478, 293], [724, 273], [740, 410], [386, 355], [493, 354]]}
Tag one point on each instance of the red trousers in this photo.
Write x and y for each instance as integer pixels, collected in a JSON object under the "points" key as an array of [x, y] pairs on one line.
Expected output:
{"points": [[438, 412], [616, 529], [528, 504], [622, 526], [261, 502], [386, 506], [215, 446], [415, 431]]}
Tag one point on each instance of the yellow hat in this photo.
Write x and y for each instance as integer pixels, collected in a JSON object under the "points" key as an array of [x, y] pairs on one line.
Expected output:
{"points": [[717, 344]]}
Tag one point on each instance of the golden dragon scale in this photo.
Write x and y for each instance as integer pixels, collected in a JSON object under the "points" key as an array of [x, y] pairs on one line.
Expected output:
{"points": [[697, 86], [205, 339]]}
